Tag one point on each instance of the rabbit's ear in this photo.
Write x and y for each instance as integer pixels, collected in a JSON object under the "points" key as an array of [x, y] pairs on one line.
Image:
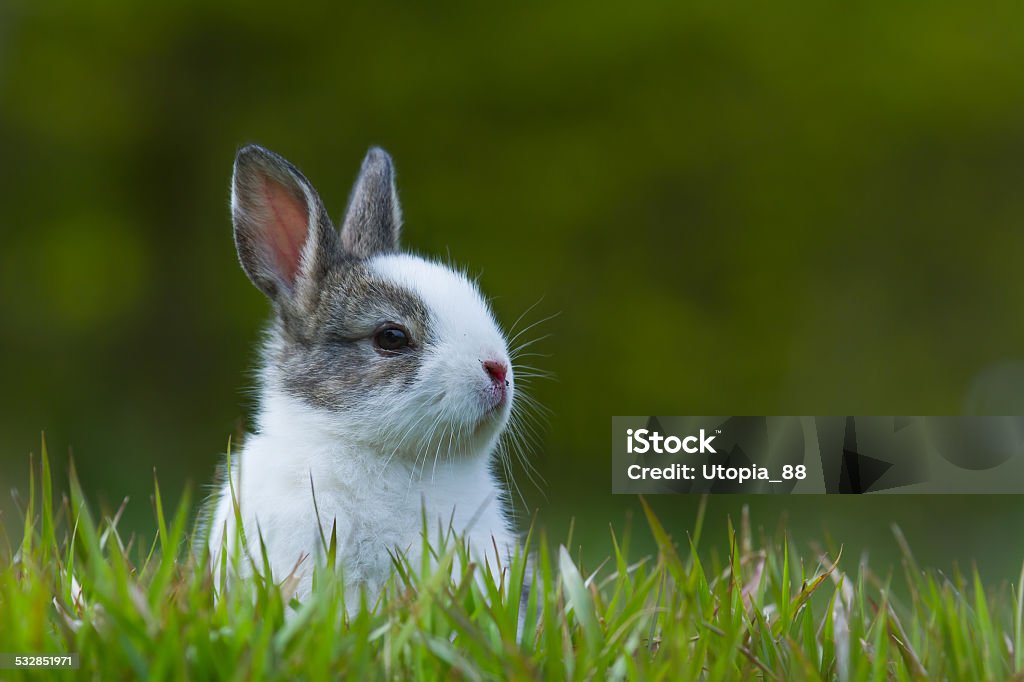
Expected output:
{"points": [[284, 238], [373, 218]]}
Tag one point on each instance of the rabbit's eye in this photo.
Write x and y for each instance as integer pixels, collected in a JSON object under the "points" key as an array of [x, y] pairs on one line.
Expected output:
{"points": [[391, 337]]}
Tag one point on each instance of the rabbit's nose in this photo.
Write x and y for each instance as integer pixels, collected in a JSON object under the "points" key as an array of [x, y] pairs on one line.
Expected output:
{"points": [[497, 370]]}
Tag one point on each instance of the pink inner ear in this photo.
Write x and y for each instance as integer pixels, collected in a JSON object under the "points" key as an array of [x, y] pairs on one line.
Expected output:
{"points": [[286, 227]]}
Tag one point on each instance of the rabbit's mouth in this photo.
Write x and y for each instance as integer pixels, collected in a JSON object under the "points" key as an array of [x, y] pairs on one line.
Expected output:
{"points": [[495, 400], [495, 412], [497, 394]]}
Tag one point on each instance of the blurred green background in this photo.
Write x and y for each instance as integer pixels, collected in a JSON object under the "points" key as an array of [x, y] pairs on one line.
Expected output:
{"points": [[784, 209]]}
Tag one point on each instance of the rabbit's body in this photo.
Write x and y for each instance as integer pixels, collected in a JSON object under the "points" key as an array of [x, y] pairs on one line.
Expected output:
{"points": [[385, 388], [375, 508]]}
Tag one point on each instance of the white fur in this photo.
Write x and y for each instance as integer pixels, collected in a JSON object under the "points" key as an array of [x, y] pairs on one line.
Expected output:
{"points": [[373, 468]]}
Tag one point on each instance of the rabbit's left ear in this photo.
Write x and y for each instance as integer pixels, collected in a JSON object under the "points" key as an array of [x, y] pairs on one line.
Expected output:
{"points": [[284, 238], [373, 218]]}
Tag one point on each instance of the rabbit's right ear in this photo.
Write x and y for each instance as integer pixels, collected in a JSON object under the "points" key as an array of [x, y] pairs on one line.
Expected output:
{"points": [[284, 238], [373, 218]]}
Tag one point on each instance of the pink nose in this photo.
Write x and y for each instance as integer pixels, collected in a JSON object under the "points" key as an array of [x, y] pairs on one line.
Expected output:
{"points": [[497, 370]]}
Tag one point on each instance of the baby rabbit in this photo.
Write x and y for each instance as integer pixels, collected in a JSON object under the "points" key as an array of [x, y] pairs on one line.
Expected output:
{"points": [[385, 386]]}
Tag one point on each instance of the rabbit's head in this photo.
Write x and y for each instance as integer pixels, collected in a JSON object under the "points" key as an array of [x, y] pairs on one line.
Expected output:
{"points": [[387, 349]]}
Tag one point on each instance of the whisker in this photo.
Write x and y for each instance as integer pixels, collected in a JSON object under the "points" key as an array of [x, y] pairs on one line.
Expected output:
{"points": [[518, 449], [529, 377], [404, 436], [425, 444], [520, 367], [512, 479], [514, 354], [451, 435], [524, 313], [534, 355], [529, 401], [531, 326]]}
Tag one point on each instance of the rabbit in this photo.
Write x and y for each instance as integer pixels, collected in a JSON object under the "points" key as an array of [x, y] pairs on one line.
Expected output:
{"points": [[384, 389]]}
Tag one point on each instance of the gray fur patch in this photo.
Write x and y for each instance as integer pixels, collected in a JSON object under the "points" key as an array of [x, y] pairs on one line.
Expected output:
{"points": [[325, 354]]}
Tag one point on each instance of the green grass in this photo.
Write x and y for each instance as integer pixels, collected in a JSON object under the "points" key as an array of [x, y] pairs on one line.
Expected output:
{"points": [[74, 584]]}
